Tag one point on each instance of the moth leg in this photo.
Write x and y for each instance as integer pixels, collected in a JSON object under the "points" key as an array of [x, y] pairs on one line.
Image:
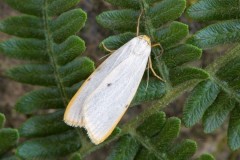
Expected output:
{"points": [[159, 45], [138, 22], [151, 67], [148, 67]]}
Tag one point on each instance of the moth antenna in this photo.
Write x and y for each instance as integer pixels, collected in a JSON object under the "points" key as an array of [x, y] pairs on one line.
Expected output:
{"points": [[138, 22], [105, 56], [109, 50]]}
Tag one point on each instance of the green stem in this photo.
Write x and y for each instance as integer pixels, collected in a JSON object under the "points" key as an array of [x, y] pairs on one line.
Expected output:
{"points": [[233, 94], [49, 44], [160, 104], [150, 31], [222, 61], [146, 143]]}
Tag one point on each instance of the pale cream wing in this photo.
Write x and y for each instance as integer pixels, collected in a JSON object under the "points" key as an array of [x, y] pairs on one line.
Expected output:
{"points": [[73, 114], [104, 108]]}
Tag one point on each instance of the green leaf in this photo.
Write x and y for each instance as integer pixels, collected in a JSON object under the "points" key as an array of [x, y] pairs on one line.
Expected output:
{"points": [[162, 144], [11, 158], [168, 133], [202, 96], [23, 29], [164, 71], [47, 98], [166, 11], [214, 10], [235, 84], [75, 156], [184, 150], [229, 71], [33, 49], [43, 74], [126, 148], [206, 157], [27, 49], [39, 99], [217, 112], [116, 41], [135, 4], [154, 91], [125, 3], [35, 7], [152, 125], [171, 34], [182, 74], [181, 54], [225, 32], [57, 7], [143, 153], [2, 120], [67, 24], [69, 49], [115, 132], [76, 70], [234, 129], [50, 147], [38, 74], [8, 138], [43, 125], [120, 20]]}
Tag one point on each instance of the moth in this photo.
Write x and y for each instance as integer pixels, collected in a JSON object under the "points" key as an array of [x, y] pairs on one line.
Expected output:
{"points": [[104, 97]]}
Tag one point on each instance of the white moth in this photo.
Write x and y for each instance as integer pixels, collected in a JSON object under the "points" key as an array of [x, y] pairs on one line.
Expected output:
{"points": [[105, 96]]}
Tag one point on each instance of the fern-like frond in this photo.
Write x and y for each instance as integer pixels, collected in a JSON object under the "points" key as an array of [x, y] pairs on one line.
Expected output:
{"points": [[8, 137], [50, 146], [45, 38], [224, 32], [217, 98], [153, 139], [213, 100]]}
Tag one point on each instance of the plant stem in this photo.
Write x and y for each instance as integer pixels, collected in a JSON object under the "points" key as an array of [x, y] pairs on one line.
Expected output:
{"points": [[49, 44], [220, 62], [146, 143]]}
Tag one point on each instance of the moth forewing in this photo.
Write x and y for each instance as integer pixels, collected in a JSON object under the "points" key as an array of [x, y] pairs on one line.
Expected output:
{"points": [[104, 97], [104, 107], [73, 115]]}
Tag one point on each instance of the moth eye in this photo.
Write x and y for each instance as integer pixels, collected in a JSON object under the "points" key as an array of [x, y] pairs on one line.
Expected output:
{"points": [[109, 84]]}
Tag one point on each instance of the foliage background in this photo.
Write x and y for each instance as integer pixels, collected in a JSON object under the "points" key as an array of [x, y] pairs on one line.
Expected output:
{"points": [[92, 33]]}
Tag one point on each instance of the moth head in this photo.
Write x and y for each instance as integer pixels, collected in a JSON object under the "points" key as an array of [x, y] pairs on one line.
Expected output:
{"points": [[146, 38]]}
